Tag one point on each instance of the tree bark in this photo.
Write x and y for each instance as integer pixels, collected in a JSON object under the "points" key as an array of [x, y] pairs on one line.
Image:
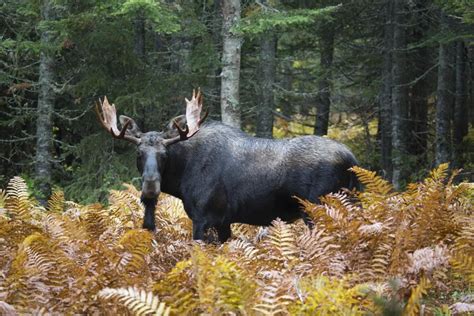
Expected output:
{"points": [[230, 107], [419, 91], [46, 99], [267, 74], [139, 50], [139, 36], [214, 80], [386, 100], [399, 95], [443, 122], [461, 115], [324, 98], [287, 83]]}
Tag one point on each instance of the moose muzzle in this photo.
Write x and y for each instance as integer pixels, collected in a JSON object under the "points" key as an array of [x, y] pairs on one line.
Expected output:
{"points": [[151, 178], [150, 188]]}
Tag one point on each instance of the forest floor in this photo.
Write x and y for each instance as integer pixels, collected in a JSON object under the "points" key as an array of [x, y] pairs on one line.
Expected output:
{"points": [[398, 253]]}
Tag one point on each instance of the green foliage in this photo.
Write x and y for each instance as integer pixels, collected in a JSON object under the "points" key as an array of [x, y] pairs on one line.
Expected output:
{"points": [[260, 20], [163, 18], [464, 8]]}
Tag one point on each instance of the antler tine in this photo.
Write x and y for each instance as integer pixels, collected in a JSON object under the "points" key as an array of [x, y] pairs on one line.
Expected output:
{"points": [[201, 120], [182, 132], [193, 118], [122, 132], [108, 120]]}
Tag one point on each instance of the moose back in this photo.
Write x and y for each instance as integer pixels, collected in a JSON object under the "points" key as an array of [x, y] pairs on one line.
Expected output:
{"points": [[225, 176]]}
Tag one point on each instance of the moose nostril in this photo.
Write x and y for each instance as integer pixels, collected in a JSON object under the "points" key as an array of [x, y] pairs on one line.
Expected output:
{"points": [[150, 177]]}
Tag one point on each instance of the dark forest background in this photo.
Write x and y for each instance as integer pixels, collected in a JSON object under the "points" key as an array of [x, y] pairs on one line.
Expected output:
{"points": [[392, 79]]}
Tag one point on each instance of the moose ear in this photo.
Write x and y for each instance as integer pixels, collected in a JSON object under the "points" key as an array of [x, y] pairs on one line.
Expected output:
{"points": [[133, 128], [170, 130]]}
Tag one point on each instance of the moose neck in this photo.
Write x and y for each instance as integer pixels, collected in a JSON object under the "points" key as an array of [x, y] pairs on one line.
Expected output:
{"points": [[173, 172]]}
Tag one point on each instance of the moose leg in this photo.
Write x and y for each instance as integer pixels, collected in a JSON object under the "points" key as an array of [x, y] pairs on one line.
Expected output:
{"points": [[224, 232], [307, 220], [199, 230], [149, 218]]}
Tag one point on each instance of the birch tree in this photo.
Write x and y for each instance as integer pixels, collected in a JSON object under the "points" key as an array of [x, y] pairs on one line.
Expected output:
{"points": [[46, 99], [230, 108]]}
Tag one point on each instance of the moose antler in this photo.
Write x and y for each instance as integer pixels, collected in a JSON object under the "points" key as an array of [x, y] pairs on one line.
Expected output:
{"points": [[193, 112], [193, 119], [108, 119]]}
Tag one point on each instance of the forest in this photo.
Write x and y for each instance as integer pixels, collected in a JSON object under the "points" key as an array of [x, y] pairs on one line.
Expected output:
{"points": [[391, 79]]}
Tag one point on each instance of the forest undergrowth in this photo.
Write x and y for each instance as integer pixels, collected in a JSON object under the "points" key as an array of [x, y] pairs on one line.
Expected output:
{"points": [[370, 253]]}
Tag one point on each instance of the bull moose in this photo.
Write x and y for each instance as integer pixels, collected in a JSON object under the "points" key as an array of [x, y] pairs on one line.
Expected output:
{"points": [[225, 176]]}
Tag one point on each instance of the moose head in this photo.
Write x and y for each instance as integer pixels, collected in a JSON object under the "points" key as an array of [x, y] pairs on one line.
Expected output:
{"points": [[151, 146]]}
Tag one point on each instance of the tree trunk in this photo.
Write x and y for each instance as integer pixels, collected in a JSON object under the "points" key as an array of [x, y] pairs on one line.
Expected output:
{"points": [[420, 65], [399, 95], [386, 100], [139, 36], [267, 73], [461, 115], [443, 122], [214, 80], [139, 50], [287, 83], [324, 98], [230, 108], [46, 99], [470, 82]]}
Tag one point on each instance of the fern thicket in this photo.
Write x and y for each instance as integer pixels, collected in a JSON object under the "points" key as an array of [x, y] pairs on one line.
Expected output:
{"points": [[91, 259]]}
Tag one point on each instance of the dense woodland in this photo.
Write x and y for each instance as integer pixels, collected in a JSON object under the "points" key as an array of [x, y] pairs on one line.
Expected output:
{"points": [[391, 79]]}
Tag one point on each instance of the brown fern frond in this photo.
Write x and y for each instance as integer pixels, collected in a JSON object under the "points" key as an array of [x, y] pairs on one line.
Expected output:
{"points": [[464, 265], [461, 308], [373, 184], [427, 259], [7, 310], [244, 231], [171, 219], [36, 272], [136, 242], [183, 299], [438, 174], [413, 304], [381, 260], [247, 250], [139, 302], [18, 203], [281, 242], [317, 248], [321, 295], [96, 219], [56, 201], [234, 290], [275, 297], [125, 200], [3, 198]]}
